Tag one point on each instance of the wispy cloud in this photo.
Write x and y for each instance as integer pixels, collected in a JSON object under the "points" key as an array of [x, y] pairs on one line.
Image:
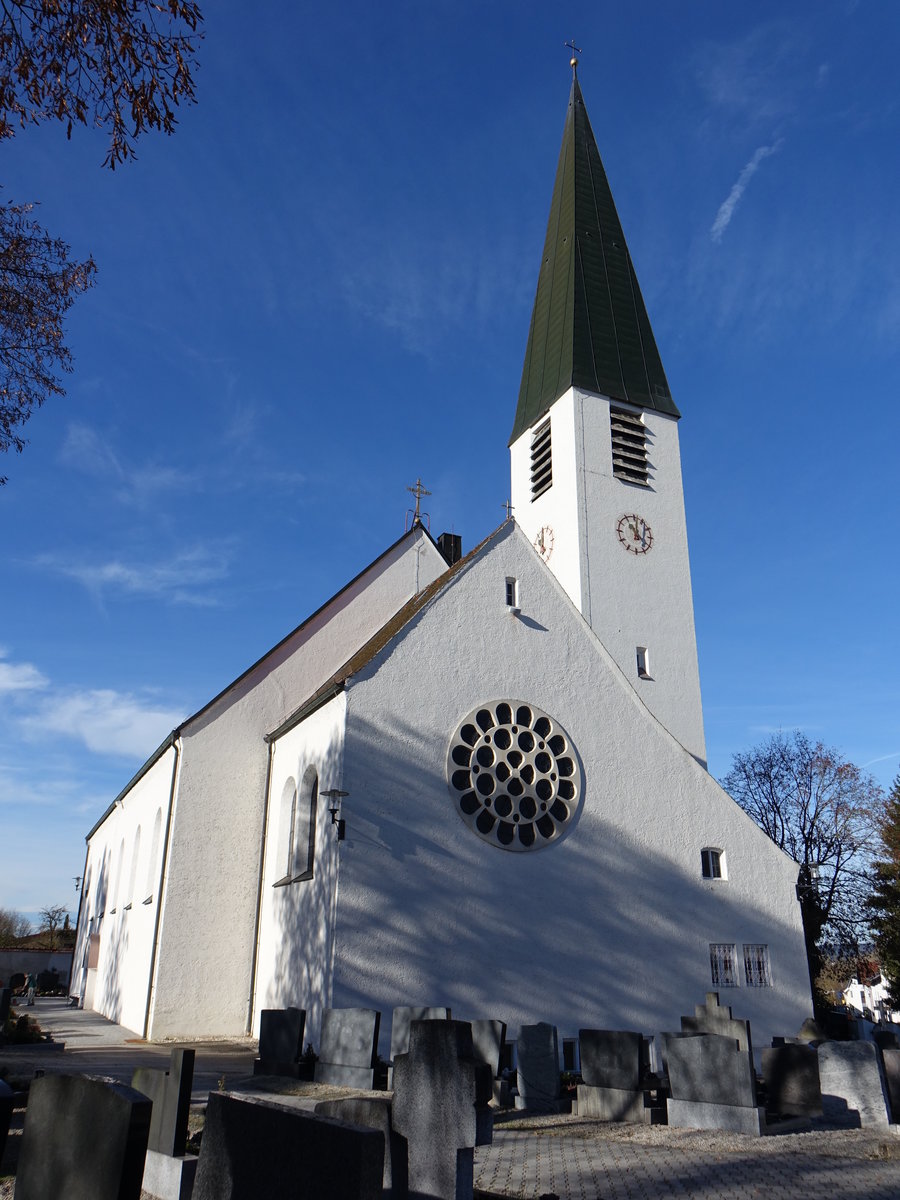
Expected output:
{"points": [[184, 579], [19, 677], [756, 76], [726, 209], [140, 485], [103, 720]]}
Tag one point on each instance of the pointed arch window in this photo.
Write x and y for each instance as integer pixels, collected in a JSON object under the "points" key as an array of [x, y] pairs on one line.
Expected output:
{"points": [[296, 847]]}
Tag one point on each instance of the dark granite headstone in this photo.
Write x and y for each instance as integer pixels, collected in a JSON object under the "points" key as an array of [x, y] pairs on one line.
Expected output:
{"points": [[890, 1057], [886, 1039], [441, 1094], [5, 1002], [713, 1017], [170, 1092], [6, 1109], [83, 1140], [612, 1058], [791, 1074], [280, 1041], [253, 1148], [401, 1020], [537, 1077], [374, 1112], [710, 1069], [348, 1048]]}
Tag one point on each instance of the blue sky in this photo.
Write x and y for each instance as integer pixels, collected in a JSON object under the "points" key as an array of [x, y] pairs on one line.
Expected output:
{"points": [[319, 289]]}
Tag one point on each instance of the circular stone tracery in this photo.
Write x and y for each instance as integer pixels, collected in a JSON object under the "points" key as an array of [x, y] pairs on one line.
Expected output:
{"points": [[514, 775]]}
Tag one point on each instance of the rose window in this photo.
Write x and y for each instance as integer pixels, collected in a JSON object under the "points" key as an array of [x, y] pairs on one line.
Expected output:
{"points": [[514, 775]]}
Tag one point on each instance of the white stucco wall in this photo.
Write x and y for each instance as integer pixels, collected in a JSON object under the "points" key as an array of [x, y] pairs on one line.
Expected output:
{"points": [[629, 600], [121, 902], [297, 919], [203, 982], [608, 927]]}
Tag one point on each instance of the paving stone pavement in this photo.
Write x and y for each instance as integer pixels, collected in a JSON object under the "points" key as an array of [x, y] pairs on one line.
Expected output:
{"points": [[525, 1164]]}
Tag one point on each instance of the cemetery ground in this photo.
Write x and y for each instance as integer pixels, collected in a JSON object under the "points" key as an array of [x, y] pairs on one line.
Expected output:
{"points": [[531, 1156]]}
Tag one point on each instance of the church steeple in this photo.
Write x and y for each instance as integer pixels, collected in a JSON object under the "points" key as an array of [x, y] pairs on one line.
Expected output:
{"points": [[589, 328]]}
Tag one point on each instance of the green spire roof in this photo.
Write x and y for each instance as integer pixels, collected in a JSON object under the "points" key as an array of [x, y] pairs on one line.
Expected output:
{"points": [[589, 328]]}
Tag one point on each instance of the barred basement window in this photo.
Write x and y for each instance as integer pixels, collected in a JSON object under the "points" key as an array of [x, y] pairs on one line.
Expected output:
{"points": [[541, 461], [629, 446], [756, 966], [711, 863], [723, 964]]}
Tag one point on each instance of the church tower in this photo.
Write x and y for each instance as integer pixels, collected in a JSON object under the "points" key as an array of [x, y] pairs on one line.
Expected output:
{"points": [[596, 467]]}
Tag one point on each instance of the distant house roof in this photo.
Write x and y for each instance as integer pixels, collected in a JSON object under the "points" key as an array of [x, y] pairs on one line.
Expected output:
{"points": [[589, 327]]}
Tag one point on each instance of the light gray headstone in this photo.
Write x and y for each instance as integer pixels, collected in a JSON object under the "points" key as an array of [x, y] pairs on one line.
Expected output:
{"points": [[890, 1057], [713, 1017], [400, 1022], [439, 1090], [83, 1140], [253, 1148], [348, 1047], [612, 1058], [537, 1077], [853, 1085], [791, 1073], [488, 1038], [710, 1069], [374, 1112], [170, 1092]]}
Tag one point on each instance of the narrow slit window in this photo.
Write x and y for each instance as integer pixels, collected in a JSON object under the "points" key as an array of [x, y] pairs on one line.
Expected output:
{"points": [[512, 592], [722, 962], [643, 663], [712, 863], [541, 461], [756, 966], [629, 447]]}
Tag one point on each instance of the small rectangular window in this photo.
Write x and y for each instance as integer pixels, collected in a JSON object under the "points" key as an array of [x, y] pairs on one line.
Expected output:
{"points": [[711, 863], [643, 663], [512, 592], [722, 962], [629, 446], [541, 460], [756, 966]]}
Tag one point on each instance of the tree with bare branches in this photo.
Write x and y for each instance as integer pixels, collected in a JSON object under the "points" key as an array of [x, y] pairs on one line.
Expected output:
{"points": [[121, 65], [823, 811], [51, 920], [13, 926]]}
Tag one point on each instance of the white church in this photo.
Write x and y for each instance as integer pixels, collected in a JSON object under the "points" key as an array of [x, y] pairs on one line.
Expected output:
{"points": [[476, 781]]}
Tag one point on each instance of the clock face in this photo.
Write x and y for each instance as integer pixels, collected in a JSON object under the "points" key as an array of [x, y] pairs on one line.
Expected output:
{"points": [[543, 543], [634, 533]]}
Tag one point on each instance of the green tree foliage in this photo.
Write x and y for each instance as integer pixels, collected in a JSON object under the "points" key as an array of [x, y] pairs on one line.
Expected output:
{"points": [[884, 902], [121, 65], [823, 812]]}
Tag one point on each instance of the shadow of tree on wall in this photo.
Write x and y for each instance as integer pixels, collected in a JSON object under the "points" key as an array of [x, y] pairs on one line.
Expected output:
{"points": [[582, 933]]}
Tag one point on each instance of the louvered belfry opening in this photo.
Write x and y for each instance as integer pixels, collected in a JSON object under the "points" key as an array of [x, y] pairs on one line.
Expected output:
{"points": [[629, 446], [541, 460]]}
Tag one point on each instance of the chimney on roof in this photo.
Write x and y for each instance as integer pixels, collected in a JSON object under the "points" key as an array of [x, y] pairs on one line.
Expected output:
{"points": [[450, 545]]}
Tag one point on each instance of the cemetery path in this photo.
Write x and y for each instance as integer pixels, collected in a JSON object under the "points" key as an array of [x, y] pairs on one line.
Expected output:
{"points": [[587, 1162]]}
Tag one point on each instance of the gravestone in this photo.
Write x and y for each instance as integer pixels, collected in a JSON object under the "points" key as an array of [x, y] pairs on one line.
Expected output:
{"points": [[853, 1085], [791, 1075], [6, 1110], [713, 1017], [253, 1148], [5, 1002], [400, 1022], [712, 1084], [537, 1076], [488, 1043], [811, 1032], [374, 1112], [615, 1067], [441, 1093], [280, 1041], [83, 1140], [890, 1057], [886, 1039], [170, 1092], [348, 1047]]}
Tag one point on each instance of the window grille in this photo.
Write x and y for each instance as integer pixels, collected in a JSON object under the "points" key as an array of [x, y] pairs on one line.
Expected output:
{"points": [[541, 461], [722, 964], [629, 446], [711, 863], [756, 966]]}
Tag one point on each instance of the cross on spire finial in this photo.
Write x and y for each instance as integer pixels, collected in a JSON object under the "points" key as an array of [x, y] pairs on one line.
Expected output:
{"points": [[418, 490], [573, 61]]}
